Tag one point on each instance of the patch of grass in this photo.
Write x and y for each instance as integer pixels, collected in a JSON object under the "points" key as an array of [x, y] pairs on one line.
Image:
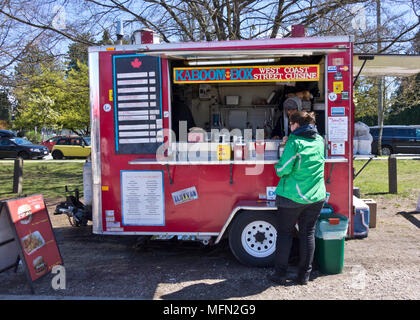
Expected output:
{"points": [[46, 179], [49, 179], [373, 179]]}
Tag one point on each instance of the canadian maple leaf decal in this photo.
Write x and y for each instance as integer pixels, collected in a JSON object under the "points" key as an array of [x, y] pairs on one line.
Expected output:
{"points": [[136, 63]]}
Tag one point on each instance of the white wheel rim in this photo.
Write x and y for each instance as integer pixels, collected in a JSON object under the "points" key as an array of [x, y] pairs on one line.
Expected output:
{"points": [[259, 239]]}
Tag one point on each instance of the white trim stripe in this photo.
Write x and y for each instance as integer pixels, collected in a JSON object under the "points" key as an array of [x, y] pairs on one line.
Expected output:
{"points": [[133, 89], [131, 82], [300, 194], [133, 105], [134, 97], [133, 113], [134, 127], [288, 161], [235, 44], [131, 75]]}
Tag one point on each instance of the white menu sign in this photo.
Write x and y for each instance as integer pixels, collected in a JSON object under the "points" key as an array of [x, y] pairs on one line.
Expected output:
{"points": [[337, 128], [142, 198]]}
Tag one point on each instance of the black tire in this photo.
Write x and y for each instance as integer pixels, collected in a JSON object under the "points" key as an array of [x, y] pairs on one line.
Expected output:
{"points": [[252, 238], [57, 154], [24, 155], [386, 150]]}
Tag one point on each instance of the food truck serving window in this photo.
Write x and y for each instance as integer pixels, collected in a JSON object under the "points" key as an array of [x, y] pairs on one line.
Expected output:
{"points": [[245, 95], [138, 104]]}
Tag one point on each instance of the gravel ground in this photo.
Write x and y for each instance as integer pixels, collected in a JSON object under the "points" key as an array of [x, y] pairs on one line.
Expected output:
{"points": [[386, 265]]}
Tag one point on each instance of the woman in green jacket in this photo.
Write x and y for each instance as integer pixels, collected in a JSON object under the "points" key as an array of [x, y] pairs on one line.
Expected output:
{"points": [[300, 194]]}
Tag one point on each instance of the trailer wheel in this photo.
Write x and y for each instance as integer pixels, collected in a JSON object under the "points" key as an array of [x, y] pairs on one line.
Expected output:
{"points": [[252, 238]]}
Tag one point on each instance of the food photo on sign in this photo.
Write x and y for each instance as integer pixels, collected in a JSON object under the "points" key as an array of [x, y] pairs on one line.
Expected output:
{"points": [[32, 242]]}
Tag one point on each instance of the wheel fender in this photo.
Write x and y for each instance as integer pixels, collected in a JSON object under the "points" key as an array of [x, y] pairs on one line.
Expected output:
{"points": [[246, 205]]}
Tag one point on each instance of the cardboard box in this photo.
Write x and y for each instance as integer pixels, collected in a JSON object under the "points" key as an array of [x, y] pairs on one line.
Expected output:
{"points": [[372, 208]]}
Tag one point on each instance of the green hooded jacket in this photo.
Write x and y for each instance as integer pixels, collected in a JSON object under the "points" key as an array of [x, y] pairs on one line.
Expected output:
{"points": [[301, 167]]}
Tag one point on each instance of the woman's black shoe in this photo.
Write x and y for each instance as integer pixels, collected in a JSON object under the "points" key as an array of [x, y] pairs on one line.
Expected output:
{"points": [[302, 279], [277, 279]]}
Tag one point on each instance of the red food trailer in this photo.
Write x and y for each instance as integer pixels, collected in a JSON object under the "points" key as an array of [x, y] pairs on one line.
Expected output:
{"points": [[214, 176]]}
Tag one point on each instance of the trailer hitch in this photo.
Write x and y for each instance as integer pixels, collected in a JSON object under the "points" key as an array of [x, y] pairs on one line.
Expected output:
{"points": [[78, 213]]}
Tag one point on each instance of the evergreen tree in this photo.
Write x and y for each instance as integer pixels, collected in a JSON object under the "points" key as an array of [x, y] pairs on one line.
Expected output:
{"points": [[5, 105], [78, 51]]}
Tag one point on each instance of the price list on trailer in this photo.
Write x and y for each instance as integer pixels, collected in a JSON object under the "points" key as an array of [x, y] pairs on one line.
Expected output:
{"points": [[137, 96]]}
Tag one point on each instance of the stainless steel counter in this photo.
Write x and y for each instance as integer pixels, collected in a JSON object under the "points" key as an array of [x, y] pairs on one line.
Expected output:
{"points": [[221, 162]]}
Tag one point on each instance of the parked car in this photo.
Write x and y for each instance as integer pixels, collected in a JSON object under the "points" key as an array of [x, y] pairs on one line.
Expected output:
{"points": [[13, 147], [71, 147], [49, 143], [7, 133], [396, 139]]}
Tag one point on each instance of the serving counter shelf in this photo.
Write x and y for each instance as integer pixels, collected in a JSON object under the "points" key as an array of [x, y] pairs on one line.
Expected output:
{"points": [[218, 162]]}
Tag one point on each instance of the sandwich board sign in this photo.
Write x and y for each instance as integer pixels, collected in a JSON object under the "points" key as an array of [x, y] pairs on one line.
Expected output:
{"points": [[26, 235]]}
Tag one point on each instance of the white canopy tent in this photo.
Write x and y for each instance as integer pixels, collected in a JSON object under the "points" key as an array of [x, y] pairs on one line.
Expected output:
{"points": [[390, 65]]}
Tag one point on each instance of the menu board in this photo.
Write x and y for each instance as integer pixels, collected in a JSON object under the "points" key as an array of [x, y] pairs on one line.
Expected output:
{"points": [[138, 106], [34, 235], [142, 198], [337, 128]]}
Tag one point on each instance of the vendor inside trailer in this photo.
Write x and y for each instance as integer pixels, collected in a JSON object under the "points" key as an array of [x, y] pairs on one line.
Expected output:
{"points": [[213, 95]]}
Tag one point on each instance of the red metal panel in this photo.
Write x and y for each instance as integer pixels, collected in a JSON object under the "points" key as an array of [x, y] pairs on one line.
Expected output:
{"points": [[337, 176], [216, 196], [112, 163], [146, 36], [298, 30], [219, 196], [351, 170], [340, 83]]}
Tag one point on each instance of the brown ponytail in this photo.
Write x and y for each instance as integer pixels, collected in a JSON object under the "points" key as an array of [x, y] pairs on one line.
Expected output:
{"points": [[302, 118]]}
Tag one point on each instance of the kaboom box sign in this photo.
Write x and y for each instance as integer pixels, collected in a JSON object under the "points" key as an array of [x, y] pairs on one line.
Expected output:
{"points": [[247, 74]]}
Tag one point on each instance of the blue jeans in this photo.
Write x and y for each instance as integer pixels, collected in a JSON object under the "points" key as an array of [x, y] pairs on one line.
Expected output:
{"points": [[306, 215]]}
